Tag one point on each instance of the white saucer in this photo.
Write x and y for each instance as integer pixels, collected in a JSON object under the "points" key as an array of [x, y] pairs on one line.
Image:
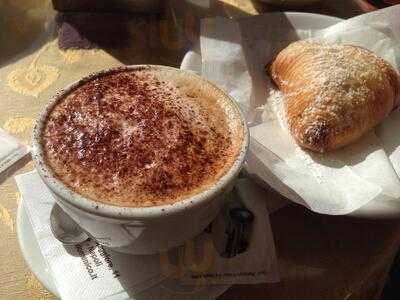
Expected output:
{"points": [[304, 21], [167, 289]]}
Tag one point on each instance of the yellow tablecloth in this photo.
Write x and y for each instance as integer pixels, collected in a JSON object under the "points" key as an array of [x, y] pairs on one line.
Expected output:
{"points": [[32, 68]]}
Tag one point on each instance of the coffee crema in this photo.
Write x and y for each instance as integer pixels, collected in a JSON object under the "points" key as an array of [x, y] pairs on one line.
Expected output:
{"points": [[142, 137]]}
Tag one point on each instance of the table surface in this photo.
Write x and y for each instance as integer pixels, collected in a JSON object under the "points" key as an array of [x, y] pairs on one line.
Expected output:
{"points": [[32, 68]]}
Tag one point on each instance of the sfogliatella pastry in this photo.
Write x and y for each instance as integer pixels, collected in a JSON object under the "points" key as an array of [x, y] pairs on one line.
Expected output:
{"points": [[333, 93]]}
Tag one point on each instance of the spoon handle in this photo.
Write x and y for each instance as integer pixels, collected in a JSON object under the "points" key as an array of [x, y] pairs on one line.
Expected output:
{"points": [[64, 228]]}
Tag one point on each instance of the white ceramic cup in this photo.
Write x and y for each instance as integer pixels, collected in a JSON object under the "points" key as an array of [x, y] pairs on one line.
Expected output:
{"points": [[139, 230]]}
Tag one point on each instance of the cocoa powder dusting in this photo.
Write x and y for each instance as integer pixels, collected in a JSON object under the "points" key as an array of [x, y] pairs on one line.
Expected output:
{"points": [[129, 138]]}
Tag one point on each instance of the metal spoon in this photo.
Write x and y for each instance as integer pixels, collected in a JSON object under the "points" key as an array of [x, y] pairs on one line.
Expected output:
{"points": [[64, 229]]}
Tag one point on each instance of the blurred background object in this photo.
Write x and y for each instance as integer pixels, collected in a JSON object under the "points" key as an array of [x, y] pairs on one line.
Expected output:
{"points": [[125, 6], [383, 3], [26, 20], [371, 5], [92, 30], [293, 3]]}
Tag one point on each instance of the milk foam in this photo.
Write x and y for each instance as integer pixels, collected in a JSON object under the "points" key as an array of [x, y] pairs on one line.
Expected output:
{"points": [[142, 137]]}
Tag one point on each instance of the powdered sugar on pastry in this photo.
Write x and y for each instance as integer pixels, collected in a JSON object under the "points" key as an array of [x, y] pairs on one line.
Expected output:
{"points": [[333, 93]]}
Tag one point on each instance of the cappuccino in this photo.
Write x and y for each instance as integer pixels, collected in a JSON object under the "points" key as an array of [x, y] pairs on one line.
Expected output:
{"points": [[145, 136]]}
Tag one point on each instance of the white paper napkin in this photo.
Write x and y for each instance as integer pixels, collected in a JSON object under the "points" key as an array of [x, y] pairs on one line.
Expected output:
{"points": [[85, 271], [89, 271], [234, 55], [256, 265], [11, 150]]}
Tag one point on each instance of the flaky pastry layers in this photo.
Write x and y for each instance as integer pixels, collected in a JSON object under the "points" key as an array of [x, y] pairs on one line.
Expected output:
{"points": [[333, 93]]}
